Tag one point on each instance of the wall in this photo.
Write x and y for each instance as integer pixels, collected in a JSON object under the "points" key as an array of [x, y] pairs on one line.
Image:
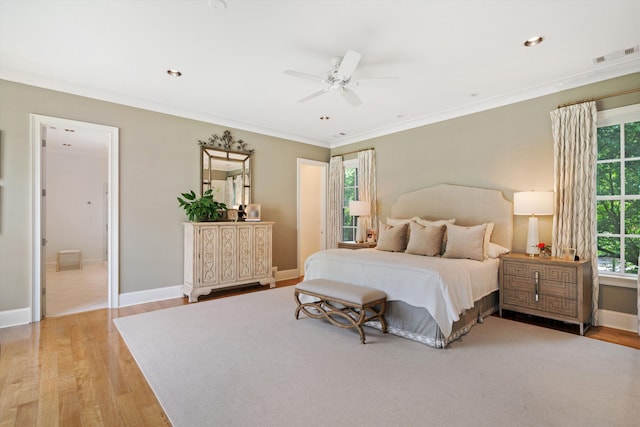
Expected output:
{"points": [[76, 204], [159, 158], [508, 149]]}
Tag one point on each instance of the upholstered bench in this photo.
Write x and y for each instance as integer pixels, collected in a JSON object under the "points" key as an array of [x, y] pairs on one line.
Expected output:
{"points": [[343, 304]]}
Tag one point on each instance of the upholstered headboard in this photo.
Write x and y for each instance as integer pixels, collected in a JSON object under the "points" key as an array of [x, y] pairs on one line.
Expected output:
{"points": [[468, 205]]}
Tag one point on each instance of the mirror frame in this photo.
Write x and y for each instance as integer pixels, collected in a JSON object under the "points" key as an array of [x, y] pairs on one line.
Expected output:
{"points": [[227, 155]]}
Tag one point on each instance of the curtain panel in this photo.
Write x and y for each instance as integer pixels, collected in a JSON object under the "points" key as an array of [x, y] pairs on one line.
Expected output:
{"points": [[367, 187], [575, 154], [334, 203]]}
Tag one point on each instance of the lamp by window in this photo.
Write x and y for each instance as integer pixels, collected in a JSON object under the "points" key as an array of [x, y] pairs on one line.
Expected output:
{"points": [[533, 203], [358, 208]]}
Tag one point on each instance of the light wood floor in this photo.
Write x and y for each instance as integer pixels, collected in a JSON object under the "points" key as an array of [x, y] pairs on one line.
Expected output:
{"points": [[75, 370], [72, 291]]}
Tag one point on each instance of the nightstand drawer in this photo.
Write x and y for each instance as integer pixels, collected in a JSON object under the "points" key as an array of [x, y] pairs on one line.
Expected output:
{"points": [[546, 303], [545, 271], [545, 287]]}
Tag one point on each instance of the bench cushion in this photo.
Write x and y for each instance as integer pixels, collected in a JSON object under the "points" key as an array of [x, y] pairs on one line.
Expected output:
{"points": [[343, 291]]}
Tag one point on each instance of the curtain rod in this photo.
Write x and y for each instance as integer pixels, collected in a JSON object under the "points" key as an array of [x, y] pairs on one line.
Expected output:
{"points": [[351, 152], [598, 98]]}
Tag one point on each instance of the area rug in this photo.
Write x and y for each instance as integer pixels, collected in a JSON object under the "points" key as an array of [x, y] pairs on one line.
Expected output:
{"points": [[246, 361]]}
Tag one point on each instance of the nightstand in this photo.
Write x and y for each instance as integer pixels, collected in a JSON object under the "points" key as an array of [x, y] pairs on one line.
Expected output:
{"points": [[546, 287], [354, 245]]}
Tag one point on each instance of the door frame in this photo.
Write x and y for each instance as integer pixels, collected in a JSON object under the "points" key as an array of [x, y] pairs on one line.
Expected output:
{"points": [[323, 206], [37, 123]]}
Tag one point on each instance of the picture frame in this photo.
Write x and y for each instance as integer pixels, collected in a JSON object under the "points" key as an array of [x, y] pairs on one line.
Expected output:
{"points": [[371, 235], [568, 254], [253, 212]]}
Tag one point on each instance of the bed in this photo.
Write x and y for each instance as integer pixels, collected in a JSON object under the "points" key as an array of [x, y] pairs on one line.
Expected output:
{"points": [[433, 298]]}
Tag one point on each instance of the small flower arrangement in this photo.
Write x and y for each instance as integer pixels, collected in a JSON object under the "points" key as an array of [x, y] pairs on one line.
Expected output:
{"points": [[544, 249]]}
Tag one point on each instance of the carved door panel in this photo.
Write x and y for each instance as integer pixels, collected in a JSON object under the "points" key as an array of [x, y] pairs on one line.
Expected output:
{"points": [[208, 253], [262, 250], [245, 255], [228, 254]]}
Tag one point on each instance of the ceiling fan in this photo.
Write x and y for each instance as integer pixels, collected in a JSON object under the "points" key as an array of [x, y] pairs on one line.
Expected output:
{"points": [[339, 78]]}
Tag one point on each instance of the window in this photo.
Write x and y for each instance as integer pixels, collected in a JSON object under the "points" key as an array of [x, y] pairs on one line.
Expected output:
{"points": [[618, 190], [350, 193]]}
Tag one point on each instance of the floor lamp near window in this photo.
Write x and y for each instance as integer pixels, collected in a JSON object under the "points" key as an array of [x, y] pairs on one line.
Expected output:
{"points": [[358, 208], [533, 203]]}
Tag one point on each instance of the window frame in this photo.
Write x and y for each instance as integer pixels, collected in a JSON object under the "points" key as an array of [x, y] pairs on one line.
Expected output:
{"points": [[618, 116]]}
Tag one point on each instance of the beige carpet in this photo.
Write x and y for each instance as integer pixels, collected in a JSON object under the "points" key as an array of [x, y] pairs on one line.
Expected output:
{"points": [[246, 361]]}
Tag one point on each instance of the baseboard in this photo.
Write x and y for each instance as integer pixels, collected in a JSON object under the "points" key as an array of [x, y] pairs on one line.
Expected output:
{"points": [[20, 316], [150, 295], [617, 320], [287, 274]]}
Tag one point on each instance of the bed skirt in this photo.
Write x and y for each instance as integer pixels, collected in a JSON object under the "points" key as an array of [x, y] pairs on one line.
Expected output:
{"points": [[416, 323]]}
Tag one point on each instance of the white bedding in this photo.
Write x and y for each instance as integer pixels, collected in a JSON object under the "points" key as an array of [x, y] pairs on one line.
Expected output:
{"points": [[445, 287]]}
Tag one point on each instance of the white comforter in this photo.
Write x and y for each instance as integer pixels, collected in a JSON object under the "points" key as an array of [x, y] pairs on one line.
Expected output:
{"points": [[445, 287]]}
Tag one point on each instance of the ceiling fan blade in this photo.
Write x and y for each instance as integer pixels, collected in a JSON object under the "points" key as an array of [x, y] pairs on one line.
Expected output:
{"points": [[315, 94], [348, 64], [351, 97], [305, 76]]}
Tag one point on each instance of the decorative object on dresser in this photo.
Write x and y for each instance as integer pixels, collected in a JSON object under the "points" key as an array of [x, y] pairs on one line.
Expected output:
{"points": [[253, 212], [358, 208], [546, 287], [204, 208], [355, 245], [533, 203], [220, 255]]}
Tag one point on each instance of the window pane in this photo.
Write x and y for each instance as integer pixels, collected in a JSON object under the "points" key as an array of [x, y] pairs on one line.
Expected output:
{"points": [[608, 216], [350, 177], [632, 139], [347, 219], [347, 235], [609, 254], [609, 142], [349, 194], [632, 249], [608, 179], [632, 177], [632, 217]]}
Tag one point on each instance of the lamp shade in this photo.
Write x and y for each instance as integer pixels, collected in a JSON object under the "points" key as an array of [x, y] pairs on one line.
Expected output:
{"points": [[533, 203], [359, 208]]}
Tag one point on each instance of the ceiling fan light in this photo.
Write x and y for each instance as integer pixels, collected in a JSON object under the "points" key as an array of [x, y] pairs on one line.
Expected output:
{"points": [[533, 41]]}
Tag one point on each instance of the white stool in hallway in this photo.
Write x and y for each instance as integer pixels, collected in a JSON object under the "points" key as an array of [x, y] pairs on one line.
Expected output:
{"points": [[76, 252]]}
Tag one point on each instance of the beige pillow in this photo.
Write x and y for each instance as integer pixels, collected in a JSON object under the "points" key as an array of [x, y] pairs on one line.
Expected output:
{"points": [[392, 238], [425, 240], [495, 250], [465, 242]]}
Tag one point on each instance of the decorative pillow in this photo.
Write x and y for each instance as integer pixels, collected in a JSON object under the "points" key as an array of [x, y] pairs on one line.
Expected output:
{"points": [[495, 250], [425, 240], [436, 222], [465, 242], [487, 239], [392, 238]]}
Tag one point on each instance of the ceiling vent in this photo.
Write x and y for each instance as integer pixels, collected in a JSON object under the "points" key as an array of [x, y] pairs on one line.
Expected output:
{"points": [[617, 55]]}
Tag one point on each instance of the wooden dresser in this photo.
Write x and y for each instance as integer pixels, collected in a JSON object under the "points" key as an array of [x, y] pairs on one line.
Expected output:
{"points": [[546, 287], [221, 255]]}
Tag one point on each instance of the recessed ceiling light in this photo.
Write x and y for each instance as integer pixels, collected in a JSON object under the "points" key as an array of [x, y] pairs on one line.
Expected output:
{"points": [[324, 117], [217, 4], [534, 41], [69, 130], [174, 73], [66, 145]]}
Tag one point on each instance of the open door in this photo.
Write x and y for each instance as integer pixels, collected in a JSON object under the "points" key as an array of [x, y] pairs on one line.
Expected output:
{"points": [[43, 224]]}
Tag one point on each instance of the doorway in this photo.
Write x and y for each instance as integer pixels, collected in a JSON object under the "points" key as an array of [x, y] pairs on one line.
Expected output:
{"points": [[312, 195], [74, 165]]}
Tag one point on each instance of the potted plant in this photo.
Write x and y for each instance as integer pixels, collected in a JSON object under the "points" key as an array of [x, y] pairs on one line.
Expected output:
{"points": [[201, 209]]}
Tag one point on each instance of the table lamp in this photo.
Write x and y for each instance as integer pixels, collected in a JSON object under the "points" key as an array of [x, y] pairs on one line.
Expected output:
{"points": [[358, 208], [533, 203]]}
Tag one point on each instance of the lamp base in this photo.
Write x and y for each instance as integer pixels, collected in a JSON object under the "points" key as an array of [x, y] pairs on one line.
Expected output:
{"points": [[358, 238], [532, 237]]}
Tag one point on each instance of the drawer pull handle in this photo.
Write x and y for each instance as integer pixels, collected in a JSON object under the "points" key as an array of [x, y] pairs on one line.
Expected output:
{"points": [[536, 281]]}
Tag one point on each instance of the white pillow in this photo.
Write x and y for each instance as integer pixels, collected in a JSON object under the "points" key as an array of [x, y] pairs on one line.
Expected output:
{"points": [[392, 238], [465, 242], [487, 239], [495, 250], [425, 240]]}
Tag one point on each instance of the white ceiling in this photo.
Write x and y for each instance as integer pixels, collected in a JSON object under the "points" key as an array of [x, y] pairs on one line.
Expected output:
{"points": [[451, 57]]}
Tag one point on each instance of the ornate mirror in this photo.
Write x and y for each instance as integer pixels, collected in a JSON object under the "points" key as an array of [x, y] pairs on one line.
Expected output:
{"points": [[226, 169]]}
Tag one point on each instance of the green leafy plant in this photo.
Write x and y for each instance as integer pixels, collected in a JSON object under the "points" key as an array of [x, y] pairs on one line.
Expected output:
{"points": [[204, 208]]}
